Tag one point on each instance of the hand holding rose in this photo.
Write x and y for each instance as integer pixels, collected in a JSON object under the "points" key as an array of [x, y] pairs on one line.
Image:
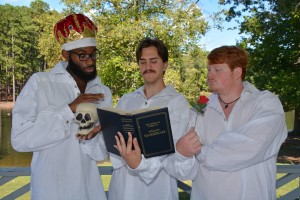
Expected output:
{"points": [[189, 144]]}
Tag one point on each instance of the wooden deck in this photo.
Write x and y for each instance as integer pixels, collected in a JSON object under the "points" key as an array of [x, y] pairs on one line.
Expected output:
{"points": [[291, 172]]}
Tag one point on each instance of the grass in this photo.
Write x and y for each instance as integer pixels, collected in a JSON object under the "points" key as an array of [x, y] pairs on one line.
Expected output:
{"points": [[289, 118], [23, 180], [13, 185], [287, 187]]}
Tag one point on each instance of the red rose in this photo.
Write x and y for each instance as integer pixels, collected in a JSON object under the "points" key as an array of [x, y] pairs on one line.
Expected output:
{"points": [[202, 99], [200, 106]]}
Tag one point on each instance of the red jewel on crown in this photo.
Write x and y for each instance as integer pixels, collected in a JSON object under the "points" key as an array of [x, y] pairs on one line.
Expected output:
{"points": [[74, 27]]}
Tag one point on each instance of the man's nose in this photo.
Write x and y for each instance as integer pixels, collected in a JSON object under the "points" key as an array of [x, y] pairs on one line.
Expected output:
{"points": [[209, 73], [148, 65]]}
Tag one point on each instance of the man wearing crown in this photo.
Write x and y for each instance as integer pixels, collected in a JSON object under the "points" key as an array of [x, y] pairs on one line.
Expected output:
{"points": [[63, 165]]}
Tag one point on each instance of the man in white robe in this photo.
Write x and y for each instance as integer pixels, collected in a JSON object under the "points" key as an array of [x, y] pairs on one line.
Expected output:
{"points": [[232, 152], [64, 164], [135, 177]]}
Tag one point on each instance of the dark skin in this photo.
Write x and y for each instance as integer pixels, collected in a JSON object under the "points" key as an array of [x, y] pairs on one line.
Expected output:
{"points": [[84, 65]]}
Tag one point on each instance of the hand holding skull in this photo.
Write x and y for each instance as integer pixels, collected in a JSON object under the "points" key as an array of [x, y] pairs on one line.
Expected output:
{"points": [[90, 135], [85, 98]]}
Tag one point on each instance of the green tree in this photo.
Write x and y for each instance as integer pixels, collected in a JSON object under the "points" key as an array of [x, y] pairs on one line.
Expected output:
{"points": [[122, 24], [18, 45], [39, 6], [272, 29], [48, 47], [193, 73]]}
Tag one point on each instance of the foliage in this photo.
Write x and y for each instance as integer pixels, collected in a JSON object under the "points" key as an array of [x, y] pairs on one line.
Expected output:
{"points": [[273, 42], [18, 39], [120, 76], [122, 24], [193, 73], [49, 48], [39, 6], [273, 29]]}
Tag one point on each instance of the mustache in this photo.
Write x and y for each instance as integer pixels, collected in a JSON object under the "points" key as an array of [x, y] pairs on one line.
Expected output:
{"points": [[92, 66], [149, 71]]}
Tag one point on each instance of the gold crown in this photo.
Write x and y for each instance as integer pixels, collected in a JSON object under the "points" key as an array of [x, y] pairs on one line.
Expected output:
{"points": [[74, 27]]}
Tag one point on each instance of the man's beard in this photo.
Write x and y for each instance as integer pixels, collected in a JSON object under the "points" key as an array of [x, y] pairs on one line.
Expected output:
{"points": [[76, 70]]}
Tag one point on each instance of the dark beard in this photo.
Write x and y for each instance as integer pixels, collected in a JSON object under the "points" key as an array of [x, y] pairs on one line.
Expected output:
{"points": [[76, 70]]}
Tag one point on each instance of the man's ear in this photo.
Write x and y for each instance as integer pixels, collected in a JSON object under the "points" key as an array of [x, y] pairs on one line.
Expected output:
{"points": [[238, 72], [64, 55], [165, 66]]}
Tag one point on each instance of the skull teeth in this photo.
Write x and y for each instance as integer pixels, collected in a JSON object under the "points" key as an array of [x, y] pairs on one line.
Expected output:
{"points": [[86, 127]]}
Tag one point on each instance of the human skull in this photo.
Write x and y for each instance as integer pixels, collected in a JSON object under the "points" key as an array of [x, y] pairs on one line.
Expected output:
{"points": [[86, 117]]}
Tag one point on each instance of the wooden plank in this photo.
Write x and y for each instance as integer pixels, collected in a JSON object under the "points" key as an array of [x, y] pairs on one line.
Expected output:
{"points": [[15, 171], [186, 188], [19, 192], [5, 179], [285, 179], [289, 169], [294, 194], [105, 170]]}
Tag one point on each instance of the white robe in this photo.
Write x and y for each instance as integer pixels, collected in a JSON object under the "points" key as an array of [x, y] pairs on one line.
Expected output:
{"points": [[149, 181], [62, 168], [238, 157]]}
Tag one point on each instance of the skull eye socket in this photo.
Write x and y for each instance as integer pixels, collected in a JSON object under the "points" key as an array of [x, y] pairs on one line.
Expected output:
{"points": [[87, 117], [79, 116]]}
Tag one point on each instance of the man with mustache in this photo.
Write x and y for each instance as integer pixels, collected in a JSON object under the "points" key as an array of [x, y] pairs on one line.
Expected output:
{"points": [[64, 164], [135, 177], [232, 153]]}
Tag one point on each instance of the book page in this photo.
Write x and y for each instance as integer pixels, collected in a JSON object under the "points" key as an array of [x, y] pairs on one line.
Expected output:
{"points": [[115, 110], [143, 110], [123, 112]]}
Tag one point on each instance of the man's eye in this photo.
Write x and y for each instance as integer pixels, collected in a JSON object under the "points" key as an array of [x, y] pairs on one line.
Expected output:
{"points": [[94, 55], [83, 56], [153, 61]]}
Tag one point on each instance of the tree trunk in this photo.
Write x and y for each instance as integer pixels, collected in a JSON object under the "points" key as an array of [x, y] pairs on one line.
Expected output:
{"points": [[0, 82]]}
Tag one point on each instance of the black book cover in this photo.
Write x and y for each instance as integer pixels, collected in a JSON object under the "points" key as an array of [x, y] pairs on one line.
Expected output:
{"points": [[151, 127]]}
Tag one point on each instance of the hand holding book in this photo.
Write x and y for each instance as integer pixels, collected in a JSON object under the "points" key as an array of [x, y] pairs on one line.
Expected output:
{"points": [[132, 156]]}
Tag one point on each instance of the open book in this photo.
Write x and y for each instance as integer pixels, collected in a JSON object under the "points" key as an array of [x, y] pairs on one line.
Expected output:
{"points": [[151, 127]]}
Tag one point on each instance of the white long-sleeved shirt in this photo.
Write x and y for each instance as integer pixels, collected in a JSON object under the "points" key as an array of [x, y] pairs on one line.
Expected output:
{"points": [[149, 181], [238, 157], [62, 168]]}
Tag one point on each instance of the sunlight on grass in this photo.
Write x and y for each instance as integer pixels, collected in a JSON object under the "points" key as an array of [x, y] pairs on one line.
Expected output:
{"points": [[287, 187], [183, 195], [13, 185], [289, 116]]}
